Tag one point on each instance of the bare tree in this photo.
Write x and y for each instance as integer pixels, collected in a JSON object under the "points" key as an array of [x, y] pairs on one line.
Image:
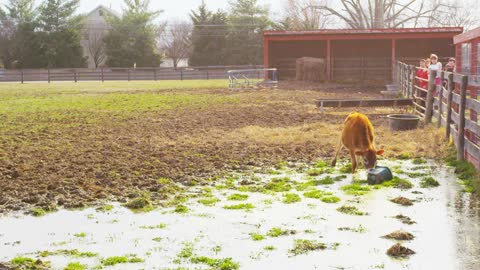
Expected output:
{"points": [[175, 40], [303, 15], [367, 14], [96, 46], [455, 13]]}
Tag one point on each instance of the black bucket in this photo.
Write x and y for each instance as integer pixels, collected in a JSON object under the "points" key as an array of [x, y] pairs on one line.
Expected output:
{"points": [[403, 121]]}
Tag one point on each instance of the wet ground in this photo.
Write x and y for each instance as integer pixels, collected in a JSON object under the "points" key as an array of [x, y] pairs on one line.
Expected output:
{"points": [[286, 218]]}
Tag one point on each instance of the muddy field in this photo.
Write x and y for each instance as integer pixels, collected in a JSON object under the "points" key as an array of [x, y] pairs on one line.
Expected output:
{"points": [[294, 216], [73, 145]]}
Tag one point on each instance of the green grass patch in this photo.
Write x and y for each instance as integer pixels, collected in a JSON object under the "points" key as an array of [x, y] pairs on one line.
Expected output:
{"points": [[330, 199], [257, 237], [75, 266], [220, 264], [277, 232], [418, 161], [105, 208], [29, 264], [80, 235], [350, 210], [319, 171], [316, 194], [140, 204], [291, 198], [429, 182], [237, 197], [398, 182], [209, 201], [181, 209], [242, 206], [38, 212], [279, 185], [416, 174], [68, 252], [303, 246], [159, 226], [347, 168], [355, 189], [110, 261], [466, 172], [269, 248]]}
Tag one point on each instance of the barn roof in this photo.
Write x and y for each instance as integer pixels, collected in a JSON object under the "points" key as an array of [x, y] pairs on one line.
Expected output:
{"points": [[440, 30], [467, 36]]}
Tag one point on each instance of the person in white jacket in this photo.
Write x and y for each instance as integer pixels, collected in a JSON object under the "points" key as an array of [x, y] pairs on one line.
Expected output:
{"points": [[437, 66]]}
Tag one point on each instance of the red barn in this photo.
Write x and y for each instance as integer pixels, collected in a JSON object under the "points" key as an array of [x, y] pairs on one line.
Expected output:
{"points": [[467, 54], [356, 54]]}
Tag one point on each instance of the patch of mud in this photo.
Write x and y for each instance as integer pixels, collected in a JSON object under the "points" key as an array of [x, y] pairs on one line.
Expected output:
{"points": [[405, 219], [399, 251], [402, 201], [399, 235]]}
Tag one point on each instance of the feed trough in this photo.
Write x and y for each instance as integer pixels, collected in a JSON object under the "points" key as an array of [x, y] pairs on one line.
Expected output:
{"points": [[403, 121]]}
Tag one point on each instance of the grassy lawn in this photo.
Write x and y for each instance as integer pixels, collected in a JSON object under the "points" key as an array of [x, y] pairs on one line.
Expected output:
{"points": [[67, 144]]}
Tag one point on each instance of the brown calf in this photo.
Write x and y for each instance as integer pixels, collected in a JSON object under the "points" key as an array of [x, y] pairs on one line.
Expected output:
{"points": [[357, 137]]}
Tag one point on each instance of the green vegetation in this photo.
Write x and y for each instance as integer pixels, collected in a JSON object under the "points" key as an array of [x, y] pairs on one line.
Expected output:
{"points": [[416, 174], [140, 204], [105, 208], [398, 182], [340, 177], [242, 206], [359, 229], [279, 185], [29, 263], [303, 246], [209, 201], [237, 197], [110, 261], [269, 248], [159, 226], [75, 266], [347, 168], [276, 232], [419, 161], [80, 235], [330, 199], [181, 209], [466, 172], [355, 189], [220, 264], [404, 156], [350, 210], [257, 237], [429, 182], [291, 198], [316, 194], [66, 252], [38, 212]]}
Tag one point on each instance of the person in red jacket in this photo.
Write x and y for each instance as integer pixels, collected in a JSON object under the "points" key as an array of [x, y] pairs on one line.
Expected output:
{"points": [[422, 75]]}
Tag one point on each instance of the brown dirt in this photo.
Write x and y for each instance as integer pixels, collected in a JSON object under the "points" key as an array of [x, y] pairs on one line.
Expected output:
{"points": [[77, 165], [399, 235], [403, 201], [405, 219], [398, 250]]}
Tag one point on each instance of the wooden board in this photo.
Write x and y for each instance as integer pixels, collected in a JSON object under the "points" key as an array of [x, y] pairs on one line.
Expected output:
{"points": [[350, 103]]}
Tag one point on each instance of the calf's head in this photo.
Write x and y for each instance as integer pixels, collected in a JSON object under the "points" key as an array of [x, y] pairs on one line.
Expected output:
{"points": [[370, 157]]}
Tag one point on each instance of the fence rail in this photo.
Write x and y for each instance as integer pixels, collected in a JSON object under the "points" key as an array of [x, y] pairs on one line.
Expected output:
{"points": [[120, 74], [451, 100]]}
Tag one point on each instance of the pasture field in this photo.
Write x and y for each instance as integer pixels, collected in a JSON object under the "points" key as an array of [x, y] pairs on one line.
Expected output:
{"points": [[71, 145]]}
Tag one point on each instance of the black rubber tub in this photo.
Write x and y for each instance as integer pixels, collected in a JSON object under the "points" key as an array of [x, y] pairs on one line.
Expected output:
{"points": [[403, 121]]}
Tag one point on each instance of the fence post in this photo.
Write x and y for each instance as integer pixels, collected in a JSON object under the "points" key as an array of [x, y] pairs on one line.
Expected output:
{"points": [[450, 87], [440, 100], [48, 71], [75, 75], [103, 76], [181, 74], [461, 124], [412, 80], [407, 80], [128, 74], [208, 75], [429, 102], [155, 74], [22, 75]]}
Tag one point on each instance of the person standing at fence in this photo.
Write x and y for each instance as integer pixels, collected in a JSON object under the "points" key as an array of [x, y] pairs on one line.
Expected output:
{"points": [[436, 66], [452, 65], [422, 75]]}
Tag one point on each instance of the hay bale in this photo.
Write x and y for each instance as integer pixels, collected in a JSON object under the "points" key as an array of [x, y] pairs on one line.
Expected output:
{"points": [[310, 69]]}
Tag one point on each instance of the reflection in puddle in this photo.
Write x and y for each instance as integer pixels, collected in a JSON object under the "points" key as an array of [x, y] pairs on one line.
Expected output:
{"points": [[296, 227]]}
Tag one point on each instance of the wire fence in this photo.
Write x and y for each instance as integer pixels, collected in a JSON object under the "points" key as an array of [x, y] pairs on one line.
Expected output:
{"points": [[121, 74]]}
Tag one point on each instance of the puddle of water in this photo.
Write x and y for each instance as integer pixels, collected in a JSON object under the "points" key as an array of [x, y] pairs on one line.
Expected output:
{"points": [[446, 233]]}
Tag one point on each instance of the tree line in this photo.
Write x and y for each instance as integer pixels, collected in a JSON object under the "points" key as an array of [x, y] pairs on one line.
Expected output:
{"points": [[50, 35]]}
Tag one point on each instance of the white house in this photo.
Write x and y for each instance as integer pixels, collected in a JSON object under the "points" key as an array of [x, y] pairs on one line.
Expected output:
{"points": [[94, 29]]}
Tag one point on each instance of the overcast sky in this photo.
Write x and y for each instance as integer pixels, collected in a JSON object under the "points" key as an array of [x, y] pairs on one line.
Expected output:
{"points": [[173, 9]]}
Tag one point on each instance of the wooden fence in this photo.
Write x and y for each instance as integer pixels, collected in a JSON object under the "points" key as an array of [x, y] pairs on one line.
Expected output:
{"points": [[120, 74], [453, 104]]}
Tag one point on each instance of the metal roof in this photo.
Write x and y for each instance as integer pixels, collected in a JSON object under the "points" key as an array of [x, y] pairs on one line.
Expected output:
{"points": [[443, 30]]}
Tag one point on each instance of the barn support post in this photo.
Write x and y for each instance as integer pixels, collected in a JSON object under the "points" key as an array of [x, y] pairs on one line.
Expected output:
{"points": [[450, 88], [394, 57], [266, 59], [440, 100], [103, 76], [22, 75], [75, 75], [128, 74], [429, 101], [48, 72], [155, 74], [461, 124], [329, 60], [407, 80]]}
